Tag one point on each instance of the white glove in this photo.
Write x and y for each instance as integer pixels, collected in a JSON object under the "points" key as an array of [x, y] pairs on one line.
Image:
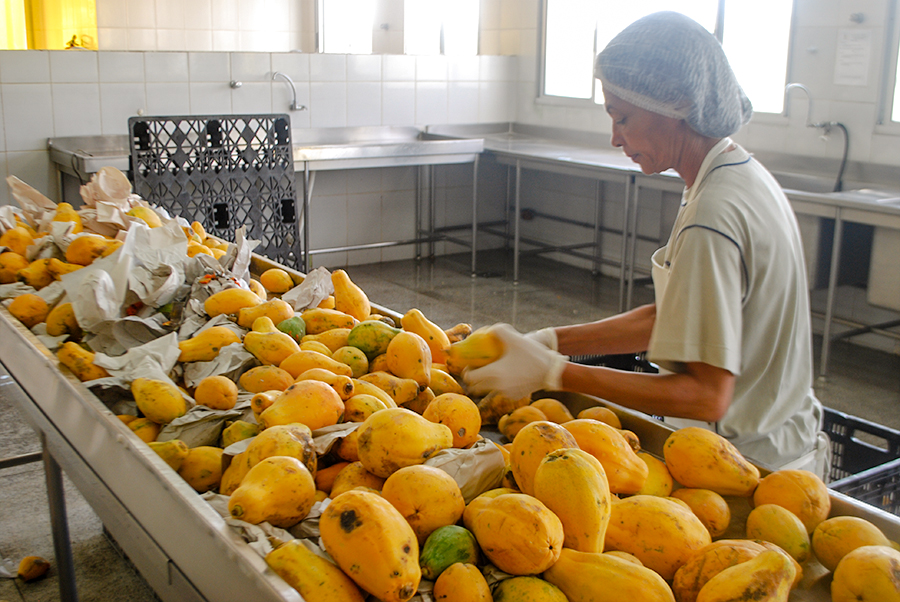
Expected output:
{"points": [[525, 366], [546, 337]]}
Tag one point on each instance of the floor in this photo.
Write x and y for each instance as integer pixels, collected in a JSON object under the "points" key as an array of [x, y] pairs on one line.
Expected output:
{"points": [[862, 382]]}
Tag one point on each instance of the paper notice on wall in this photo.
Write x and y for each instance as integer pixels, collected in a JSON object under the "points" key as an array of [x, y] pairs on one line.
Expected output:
{"points": [[851, 64]]}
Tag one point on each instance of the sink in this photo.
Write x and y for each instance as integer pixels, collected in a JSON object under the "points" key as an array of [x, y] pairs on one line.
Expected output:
{"points": [[82, 156], [804, 182]]}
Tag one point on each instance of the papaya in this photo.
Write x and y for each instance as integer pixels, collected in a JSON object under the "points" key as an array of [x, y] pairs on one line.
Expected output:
{"points": [[354, 475], [234, 474], [427, 497], [158, 400], [217, 392], [837, 536], [701, 459], [268, 344], [372, 337], [478, 349], [354, 358], [206, 345], [530, 539], [80, 361], [800, 491], [527, 589], [459, 414], [408, 356], [278, 490], [315, 346], [309, 402], [10, 264], [495, 405], [202, 468], [625, 471], [302, 360], [276, 280], [480, 502], [85, 248], [314, 577], [868, 573], [265, 378], [294, 327], [572, 483], [462, 582], [710, 507], [709, 562], [603, 414], [230, 301], [446, 546], [397, 437], [58, 268], [659, 480], [342, 385], [359, 407], [510, 424], [531, 444], [292, 440], [333, 339], [768, 576], [348, 448], [145, 429], [32, 568], [263, 400], [401, 390], [66, 213], [276, 310], [661, 533], [555, 410], [421, 402], [173, 452], [319, 320], [61, 320], [778, 525], [29, 309], [37, 274], [17, 240], [442, 382], [325, 477], [437, 340], [348, 297], [238, 430], [373, 544], [145, 214], [595, 577]]}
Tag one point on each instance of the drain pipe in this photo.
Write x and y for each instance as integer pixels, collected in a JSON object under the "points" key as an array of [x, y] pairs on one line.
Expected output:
{"points": [[825, 126]]}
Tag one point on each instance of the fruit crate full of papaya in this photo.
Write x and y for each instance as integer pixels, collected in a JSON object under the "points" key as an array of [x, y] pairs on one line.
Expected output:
{"points": [[865, 461]]}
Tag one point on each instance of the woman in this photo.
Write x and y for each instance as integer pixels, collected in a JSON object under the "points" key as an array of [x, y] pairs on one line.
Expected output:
{"points": [[731, 324]]}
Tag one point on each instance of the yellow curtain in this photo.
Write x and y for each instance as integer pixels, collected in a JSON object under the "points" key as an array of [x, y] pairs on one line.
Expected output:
{"points": [[12, 26], [61, 24]]}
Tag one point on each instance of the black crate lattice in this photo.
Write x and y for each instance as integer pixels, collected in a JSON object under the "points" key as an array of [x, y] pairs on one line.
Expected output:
{"points": [[224, 171]]}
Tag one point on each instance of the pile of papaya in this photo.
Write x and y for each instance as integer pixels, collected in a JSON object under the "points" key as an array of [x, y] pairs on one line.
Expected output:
{"points": [[580, 513]]}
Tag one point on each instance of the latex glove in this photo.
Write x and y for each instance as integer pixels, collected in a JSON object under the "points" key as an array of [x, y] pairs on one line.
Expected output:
{"points": [[525, 366], [546, 337]]}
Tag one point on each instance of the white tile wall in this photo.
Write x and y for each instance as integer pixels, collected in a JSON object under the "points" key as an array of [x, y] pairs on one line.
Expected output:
{"points": [[76, 109], [327, 104], [431, 103], [363, 103], [166, 67], [168, 98], [119, 102], [67, 66], [398, 103]]}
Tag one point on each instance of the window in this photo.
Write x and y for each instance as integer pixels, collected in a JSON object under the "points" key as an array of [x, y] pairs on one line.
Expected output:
{"points": [[440, 27], [575, 30], [346, 26]]}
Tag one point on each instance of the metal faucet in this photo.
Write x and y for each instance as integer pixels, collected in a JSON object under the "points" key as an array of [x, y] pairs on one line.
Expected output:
{"points": [[826, 127], [809, 111], [290, 82]]}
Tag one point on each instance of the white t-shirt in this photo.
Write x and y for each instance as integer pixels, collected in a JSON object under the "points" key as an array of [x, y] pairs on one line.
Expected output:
{"points": [[731, 292]]}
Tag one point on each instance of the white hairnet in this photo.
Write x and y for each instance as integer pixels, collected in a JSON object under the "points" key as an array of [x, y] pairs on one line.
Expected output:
{"points": [[669, 64]]}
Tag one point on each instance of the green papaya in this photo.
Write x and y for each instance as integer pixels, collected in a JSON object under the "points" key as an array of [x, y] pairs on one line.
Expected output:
{"points": [[445, 546], [295, 327], [372, 337]]}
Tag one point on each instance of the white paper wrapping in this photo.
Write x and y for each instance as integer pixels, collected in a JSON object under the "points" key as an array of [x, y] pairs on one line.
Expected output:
{"points": [[315, 288]]}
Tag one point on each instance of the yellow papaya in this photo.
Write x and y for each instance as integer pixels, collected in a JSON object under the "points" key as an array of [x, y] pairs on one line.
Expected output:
{"points": [[408, 356], [314, 577], [309, 402], [702, 459], [302, 360], [158, 400], [278, 490], [172, 452], [275, 309], [334, 338], [230, 301], [768, 576], [348, 297], [401, 390], [372, 337], [625, 471], [436, 339], [319, 320], [397, 437], [206, 345], [268, 344], [595, 577], [530, 446], [478, 349], [80, 361]]}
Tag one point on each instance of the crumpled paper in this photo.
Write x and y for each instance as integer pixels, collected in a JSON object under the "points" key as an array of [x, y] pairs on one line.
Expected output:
{"points": [[232, 361], [152, 360], [201, 425], [8, 570], [328, 436], [315, 288], [33, 203], [8, 215], [159, 255], [476, 469], [14, 289]]}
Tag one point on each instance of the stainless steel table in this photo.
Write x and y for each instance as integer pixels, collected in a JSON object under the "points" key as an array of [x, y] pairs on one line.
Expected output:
{"points": [[320, 149]]}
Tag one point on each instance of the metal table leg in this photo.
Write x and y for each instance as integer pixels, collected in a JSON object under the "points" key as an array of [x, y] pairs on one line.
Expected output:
{"points": [[633, 252], [516, 222], [474, 213], [307, 193], [629, 181], [60, 526], [832, 286]]}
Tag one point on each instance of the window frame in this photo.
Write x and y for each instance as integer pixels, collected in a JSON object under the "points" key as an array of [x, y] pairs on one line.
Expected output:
{"points": [[883, 123], [577, 103]]}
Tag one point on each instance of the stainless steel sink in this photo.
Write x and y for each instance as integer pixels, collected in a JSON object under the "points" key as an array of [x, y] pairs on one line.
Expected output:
{"points": [[82, 156]]}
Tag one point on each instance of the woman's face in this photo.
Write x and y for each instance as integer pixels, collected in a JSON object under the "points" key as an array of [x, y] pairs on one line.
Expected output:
{"points": [[651, 140]]}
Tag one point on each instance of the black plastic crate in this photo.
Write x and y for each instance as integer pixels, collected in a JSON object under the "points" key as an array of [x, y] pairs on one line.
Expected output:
{"points": [[878, 486], [858, 445]]}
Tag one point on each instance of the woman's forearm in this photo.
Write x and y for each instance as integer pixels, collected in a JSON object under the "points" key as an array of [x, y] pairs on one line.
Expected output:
{"points": [[628, 332]]}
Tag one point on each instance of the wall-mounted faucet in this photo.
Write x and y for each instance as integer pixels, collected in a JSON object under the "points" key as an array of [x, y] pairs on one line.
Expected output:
{"points": [[826, 126], [290, 82]]}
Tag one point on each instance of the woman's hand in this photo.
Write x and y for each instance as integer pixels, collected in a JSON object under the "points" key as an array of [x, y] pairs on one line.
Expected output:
{"points": [[525, 366]]}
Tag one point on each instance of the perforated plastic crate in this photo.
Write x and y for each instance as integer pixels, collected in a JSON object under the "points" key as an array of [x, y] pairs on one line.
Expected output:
{"points": [[858, 445], [224, 171]]}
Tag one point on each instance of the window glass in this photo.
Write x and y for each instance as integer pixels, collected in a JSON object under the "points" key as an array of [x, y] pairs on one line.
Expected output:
{"points": [[575, 30], [348, 26], [440, 26]]}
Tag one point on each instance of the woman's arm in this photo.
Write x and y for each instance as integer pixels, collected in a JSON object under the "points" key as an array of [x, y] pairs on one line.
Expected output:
{"points": [[702, 392], [628, 332]]}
